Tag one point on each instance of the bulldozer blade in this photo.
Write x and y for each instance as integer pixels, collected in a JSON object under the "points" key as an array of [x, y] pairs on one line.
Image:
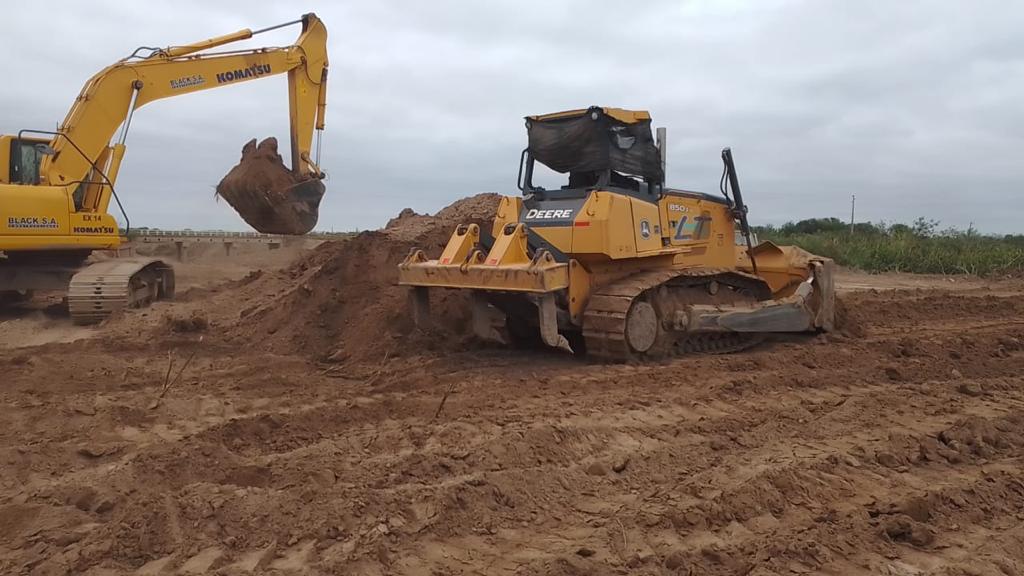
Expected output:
{"points": [[810, 307], [824, 297], [775, 318]]}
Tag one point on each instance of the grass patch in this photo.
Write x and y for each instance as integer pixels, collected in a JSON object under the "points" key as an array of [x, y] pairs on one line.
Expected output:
{"points": [[917, 248]]}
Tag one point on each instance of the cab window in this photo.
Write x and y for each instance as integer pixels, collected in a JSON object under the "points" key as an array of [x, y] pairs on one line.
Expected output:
{"points": [[703, 229], [25, 159]]}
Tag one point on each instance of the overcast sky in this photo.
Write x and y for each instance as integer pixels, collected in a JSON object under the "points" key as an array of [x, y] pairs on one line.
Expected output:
{"points": [[917, 107]]}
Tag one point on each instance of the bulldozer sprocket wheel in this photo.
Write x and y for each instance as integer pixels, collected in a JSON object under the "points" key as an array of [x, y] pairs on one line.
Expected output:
{"points": [[641, 326]]}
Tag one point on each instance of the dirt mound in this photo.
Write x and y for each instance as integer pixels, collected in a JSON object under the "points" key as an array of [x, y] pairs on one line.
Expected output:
{"points": [[410, 226], [267, 195], [344, 302]]}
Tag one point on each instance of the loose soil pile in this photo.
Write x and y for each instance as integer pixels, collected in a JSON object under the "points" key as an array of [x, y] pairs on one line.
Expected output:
{"points": [[267, 195], [343, 301]]}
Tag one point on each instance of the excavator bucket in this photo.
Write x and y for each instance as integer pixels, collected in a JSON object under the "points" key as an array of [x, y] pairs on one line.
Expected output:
{"points": [[267, 195]]}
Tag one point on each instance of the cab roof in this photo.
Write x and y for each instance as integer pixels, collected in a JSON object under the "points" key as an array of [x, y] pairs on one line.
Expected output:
{"points": [[620, 114]]}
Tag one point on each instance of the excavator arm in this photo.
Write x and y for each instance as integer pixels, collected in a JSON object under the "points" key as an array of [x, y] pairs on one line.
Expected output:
{"points": [[82, 144]]}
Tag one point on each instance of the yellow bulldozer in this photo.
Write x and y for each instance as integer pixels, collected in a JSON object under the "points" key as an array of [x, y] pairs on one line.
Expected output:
{"points": [[615, 264]]}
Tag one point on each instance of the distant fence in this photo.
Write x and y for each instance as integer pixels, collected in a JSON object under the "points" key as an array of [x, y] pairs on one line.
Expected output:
{"points": [[181, 238], [147, 235]]}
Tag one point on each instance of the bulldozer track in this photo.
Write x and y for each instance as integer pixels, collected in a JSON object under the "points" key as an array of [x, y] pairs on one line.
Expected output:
{"points": [[103, 288], [605, 322]]}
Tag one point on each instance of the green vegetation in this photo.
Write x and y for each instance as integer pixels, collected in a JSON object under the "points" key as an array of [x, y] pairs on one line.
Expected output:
{"points": [[919, 247]]}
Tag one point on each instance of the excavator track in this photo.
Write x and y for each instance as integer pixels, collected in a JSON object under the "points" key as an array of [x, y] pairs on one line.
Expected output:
{"points": [[609, 327], [105, 287]]}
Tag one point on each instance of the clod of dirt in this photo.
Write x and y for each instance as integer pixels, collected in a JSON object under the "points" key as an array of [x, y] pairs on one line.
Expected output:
{"points": [[903, 528], [196, 322], [585, 552], [918, 508], [887, 459], [979, 436], [405, 214], [970, 389], [1010, 343], [675, 560], [82, 497], [620, 465], [894, 373], [267, 195]]}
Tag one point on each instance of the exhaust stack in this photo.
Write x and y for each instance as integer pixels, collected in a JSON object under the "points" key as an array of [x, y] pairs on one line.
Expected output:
{"points": [[662, 150]]}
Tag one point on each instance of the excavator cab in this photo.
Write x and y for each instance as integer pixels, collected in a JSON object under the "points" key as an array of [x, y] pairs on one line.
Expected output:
{"points": [[23, 157]]}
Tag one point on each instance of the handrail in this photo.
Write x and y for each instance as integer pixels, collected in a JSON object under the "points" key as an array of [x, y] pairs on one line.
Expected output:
{"points": [[127, 221]]}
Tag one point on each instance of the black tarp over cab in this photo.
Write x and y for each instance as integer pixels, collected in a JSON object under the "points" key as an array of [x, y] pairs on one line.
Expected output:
{"points": [[595, 140]]}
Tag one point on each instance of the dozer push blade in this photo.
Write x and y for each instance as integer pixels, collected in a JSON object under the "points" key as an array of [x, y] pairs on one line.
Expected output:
{"points": [[810, 307], [268, 196]]}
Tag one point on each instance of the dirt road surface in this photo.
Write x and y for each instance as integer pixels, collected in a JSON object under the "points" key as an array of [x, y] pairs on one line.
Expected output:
{"points": [[893, 447]]}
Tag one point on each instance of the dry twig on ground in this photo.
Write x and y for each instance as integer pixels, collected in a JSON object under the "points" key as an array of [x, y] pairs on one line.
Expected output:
{"points": [[168, 382]]}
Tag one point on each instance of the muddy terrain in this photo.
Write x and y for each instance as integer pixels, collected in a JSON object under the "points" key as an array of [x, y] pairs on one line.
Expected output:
{"points": [[288, 420]]}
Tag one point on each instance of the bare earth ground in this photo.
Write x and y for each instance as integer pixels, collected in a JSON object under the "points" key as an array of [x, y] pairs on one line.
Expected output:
{"points": [[892, 448], [205, 266]]}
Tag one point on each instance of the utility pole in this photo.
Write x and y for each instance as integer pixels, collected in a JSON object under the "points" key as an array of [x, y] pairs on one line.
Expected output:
{"points": [[853, 210]]}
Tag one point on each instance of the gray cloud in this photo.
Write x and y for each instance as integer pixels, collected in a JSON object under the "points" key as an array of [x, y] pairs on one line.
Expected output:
{"points": [[912, 106]]}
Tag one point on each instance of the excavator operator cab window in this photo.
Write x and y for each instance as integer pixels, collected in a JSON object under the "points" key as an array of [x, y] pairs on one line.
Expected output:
{"points": [[26, 155]]}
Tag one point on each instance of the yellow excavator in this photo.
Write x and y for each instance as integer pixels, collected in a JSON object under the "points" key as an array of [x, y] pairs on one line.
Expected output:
{"points": [[617, 265], [56, 186]]}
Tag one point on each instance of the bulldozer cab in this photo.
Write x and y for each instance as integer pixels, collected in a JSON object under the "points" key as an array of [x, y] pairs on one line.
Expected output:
{"points": [[598, 148]]}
